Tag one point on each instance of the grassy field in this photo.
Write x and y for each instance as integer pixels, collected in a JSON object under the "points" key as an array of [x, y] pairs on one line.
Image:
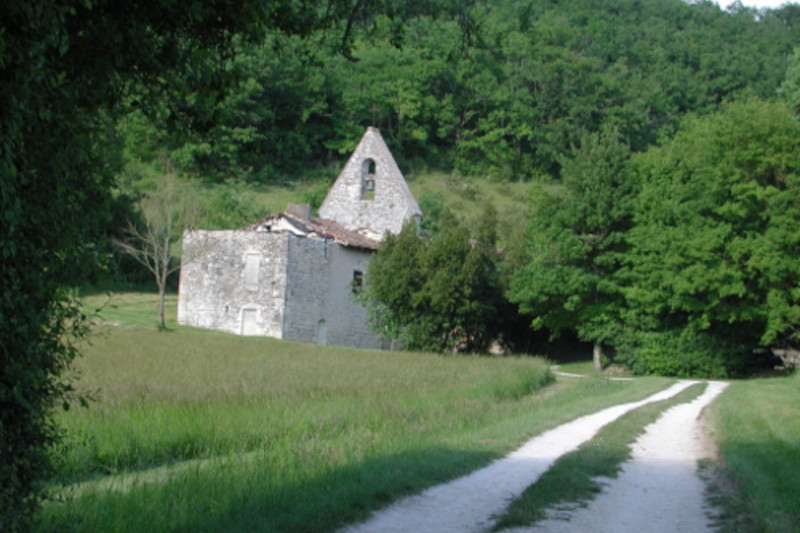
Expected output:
{"points": [[202, 431], [757, 426], [192, 430], [130, 309]]}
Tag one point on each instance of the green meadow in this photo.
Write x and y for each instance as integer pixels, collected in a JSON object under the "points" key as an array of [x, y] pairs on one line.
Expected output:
{"points": [[756, 424], [191, 430], [198, 431]]}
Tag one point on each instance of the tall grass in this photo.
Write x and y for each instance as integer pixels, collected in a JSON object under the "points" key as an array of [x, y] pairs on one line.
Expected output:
{"points": [[181, 396], [202, 431], [757, 426]]}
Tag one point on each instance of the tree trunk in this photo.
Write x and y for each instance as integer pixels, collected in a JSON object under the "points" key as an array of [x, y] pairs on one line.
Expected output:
{"points": [[597, 354], [162, 295], [164, 273]]}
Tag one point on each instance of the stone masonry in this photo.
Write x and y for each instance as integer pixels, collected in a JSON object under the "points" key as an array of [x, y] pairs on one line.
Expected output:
{"points": [[371, 194], [293, 276]]}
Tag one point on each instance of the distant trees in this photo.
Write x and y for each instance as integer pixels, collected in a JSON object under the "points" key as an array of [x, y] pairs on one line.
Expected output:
{"points": [[510, 106], [681, 259]]}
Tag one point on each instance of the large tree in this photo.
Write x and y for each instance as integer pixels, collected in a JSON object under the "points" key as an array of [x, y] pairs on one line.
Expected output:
{"points": [[714, 270], [576, 242], [66, 66], [67, 69]]}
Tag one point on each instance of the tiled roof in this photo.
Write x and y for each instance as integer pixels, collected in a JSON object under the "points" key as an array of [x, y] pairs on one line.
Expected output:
{"points": [[314, 227]]}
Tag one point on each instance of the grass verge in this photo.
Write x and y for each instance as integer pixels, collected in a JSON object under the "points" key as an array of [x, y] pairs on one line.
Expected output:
{"points": [[130, 309], [757, 426], [573, 479], [194, 431]]}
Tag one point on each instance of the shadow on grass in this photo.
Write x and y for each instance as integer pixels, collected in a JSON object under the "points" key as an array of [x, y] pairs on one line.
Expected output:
{"points": [[246, 494], [757, 495]]}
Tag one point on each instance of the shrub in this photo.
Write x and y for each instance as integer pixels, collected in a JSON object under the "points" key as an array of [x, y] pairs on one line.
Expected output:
{"points": [[683, 353]]}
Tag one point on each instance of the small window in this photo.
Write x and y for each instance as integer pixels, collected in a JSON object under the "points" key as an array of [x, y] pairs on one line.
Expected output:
{"points": [[358, 281], [368, 180]]}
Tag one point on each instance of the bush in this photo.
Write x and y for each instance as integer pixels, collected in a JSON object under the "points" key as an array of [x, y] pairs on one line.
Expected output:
{"points": [[683, 353]]}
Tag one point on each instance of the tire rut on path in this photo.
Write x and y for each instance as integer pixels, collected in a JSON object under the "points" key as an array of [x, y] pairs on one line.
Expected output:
{"points": [[470, 503], [658, 489]]}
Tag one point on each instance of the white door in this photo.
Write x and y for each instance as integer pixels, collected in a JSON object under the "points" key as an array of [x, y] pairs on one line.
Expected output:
{"points": [[249, 324]]}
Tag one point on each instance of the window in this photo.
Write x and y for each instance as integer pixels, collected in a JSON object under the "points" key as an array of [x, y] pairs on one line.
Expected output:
{"points": [[368, 180], [358, 281]]}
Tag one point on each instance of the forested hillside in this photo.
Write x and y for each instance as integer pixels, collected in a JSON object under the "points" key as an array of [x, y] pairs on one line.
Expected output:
{"points": [[507, 101], [658, 140]]}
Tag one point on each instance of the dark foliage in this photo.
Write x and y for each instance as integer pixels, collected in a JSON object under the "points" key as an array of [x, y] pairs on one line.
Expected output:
{"points": [[439, 295], [67, 69]]}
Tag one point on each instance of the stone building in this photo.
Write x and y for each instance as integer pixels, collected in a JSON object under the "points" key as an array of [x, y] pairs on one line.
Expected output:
{"points": [[292, 276]]}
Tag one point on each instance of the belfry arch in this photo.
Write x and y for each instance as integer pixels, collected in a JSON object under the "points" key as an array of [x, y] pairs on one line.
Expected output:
{"points": [[368, 174]]}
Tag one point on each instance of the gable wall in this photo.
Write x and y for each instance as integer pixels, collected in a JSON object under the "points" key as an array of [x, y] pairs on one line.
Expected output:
{"points": [[392, 203], [233, 281]]}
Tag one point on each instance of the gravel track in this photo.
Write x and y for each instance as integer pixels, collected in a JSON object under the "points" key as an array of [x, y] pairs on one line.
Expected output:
{"points": [[658, 490]]}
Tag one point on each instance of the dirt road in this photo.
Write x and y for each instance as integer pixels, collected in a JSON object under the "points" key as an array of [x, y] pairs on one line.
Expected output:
{"points": [[658, 490]]}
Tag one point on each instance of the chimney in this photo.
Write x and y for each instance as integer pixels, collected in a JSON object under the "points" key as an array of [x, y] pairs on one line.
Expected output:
{"points": [[300, 211]]}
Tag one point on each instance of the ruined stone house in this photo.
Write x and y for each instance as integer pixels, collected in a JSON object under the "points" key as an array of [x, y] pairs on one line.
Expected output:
{"points": [[292, 276]]}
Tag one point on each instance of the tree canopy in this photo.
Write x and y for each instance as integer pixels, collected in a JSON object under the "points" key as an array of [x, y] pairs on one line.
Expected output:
{"points": [[70, 68], [535, 78], [680, 258], [441, 294], [716, 234], [576, 241]]}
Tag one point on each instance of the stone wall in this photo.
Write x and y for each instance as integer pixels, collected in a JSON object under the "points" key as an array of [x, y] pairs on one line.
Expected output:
{"points": [[306, 288], [387, 207], [273, 284], [347, 320], [233, 281], [319, 305]]}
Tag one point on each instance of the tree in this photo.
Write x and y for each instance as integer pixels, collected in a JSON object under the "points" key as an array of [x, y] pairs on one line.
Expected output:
{"points": [[789, 90], [713, 270], [165, 213], [576, 244], [435, 295], [394, 277], [69, 68], [66, 68]]}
